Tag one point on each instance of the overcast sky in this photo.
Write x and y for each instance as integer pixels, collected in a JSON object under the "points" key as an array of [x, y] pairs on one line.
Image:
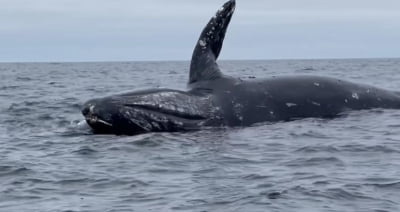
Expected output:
{"points": [[131, 30]]}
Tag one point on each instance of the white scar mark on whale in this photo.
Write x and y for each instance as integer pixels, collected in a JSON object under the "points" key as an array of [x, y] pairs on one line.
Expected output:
{"points": [[291, 104], [91, 108], [237, 109], [221, 9], [104, 122], [202, 43], [316, 84], [315, 103], [355, 96]]}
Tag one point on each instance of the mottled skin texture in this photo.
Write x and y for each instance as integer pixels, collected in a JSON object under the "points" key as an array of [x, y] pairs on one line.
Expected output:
{"points": [[218, 100], [153, 110], [245, 102]]}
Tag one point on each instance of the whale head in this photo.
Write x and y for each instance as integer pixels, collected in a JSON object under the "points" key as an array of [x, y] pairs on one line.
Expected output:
{"points": [[146, 111]]}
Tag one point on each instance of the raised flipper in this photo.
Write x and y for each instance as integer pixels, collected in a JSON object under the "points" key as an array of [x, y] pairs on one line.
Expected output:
{"points": [[206, 52]]}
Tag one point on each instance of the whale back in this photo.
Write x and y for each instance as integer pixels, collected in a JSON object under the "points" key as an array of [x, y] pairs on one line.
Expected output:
{"points": [[203, 65]]}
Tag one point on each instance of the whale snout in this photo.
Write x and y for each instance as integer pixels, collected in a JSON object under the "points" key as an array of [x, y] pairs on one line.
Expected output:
{"points": [[98, 116], [146, 111], [111, 116]]}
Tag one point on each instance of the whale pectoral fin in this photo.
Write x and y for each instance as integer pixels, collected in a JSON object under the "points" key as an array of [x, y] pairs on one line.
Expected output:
{"points": [[203, 65]]}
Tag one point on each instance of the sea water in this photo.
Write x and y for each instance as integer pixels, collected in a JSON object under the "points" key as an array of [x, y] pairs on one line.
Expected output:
{"points": [[51, 161]]}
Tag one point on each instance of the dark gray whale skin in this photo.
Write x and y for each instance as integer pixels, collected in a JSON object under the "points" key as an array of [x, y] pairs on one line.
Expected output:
{"points": [[214, 99]]}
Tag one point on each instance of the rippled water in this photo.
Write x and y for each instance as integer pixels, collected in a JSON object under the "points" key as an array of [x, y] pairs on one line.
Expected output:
{"points": [[50, 161]]}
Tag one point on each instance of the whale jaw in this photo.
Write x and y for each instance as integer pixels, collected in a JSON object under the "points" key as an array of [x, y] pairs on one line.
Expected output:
{"points": [[146, 111]]}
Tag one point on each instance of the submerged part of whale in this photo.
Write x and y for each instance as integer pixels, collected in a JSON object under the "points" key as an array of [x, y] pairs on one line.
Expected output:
{"points": [[214, 99]]}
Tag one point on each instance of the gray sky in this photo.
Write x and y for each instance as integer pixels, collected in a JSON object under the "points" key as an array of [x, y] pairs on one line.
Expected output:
{"points": [[129, 30]]}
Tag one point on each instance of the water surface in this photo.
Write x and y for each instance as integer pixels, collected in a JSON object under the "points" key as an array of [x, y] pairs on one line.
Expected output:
{"points": [[50, 161]]}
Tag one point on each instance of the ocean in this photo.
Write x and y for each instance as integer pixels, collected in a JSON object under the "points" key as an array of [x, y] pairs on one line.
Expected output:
{"points": [[50, 160]]}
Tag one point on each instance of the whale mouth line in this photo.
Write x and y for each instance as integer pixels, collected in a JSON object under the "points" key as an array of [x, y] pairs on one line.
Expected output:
{"points": [[96, 120], [167, 112]]}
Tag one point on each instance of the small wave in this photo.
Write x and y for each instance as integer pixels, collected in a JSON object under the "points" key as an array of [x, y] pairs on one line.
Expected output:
{"points": [[11, 170], [45, 117], [38, 180], [315, 161], [166, 171], [148, 140], [339, 193], [321, 182], [309, 134], [391, 185], [107, 183], [10, 87], [365, 148], [331, 193], [231, 159], [306, 70], [256, 177], [74, 181], [273, 195], [85, 151], [205, 170], [24, 79], [19, 109], [319, 148]]}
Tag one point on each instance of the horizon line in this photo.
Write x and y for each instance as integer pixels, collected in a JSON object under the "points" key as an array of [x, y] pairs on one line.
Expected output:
{"points": [[177, 60]]}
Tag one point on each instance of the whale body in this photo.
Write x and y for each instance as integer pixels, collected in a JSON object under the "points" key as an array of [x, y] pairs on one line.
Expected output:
{"points": [[214, 99]]}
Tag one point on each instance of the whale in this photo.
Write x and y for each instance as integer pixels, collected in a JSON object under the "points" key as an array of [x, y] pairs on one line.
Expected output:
{"points": [[214, 99]]}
